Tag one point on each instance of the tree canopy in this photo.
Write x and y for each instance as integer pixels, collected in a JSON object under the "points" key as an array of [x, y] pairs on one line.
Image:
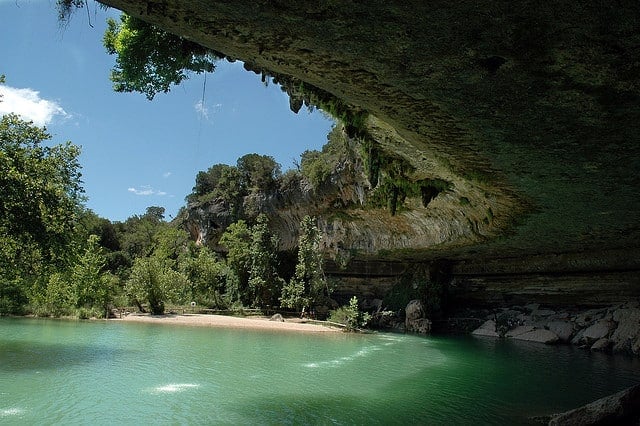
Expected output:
{"points": [[150, 60], [40, 199]]}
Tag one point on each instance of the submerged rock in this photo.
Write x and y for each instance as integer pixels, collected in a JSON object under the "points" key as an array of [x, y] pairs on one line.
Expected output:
{"points": [[621, 408]]}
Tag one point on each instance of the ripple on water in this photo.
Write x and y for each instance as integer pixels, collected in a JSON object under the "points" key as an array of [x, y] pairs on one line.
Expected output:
{"points": [[6, 412], [174, 387], [342, 360]]}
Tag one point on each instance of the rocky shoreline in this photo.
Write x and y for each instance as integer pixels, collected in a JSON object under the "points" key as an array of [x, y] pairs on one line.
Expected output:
{"points": [[614, 329]]}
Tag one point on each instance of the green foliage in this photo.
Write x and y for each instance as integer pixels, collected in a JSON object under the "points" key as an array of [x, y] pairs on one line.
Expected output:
{"points": [[353, 118], [259, 172], [237, 240], [59, 297], [350, 316], [154, 283], [150, 60], [92, 285], [206, 275], [40, 198], [308, 286], [170, 242], [264, 282], [317, 166], [427, 284], [67, 7], [391, 174]]}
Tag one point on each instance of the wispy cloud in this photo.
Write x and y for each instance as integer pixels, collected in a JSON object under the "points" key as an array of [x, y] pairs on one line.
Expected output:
{"points": [[29, 105], [146, 190], [166, 174], [204, 111]]}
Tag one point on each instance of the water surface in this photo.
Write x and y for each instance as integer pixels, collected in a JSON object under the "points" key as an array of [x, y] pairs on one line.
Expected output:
{"points": [[54, 372]]}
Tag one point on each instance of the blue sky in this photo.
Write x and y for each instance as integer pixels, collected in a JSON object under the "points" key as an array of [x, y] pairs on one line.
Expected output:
{"points": [[137, 153]]}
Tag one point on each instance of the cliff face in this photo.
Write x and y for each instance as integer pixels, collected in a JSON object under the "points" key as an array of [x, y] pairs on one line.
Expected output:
{"points": [[530, 110], [456, 215]]}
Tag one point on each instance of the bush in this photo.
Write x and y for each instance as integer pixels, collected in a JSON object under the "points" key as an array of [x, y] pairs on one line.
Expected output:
{"points": [[350, 316]]}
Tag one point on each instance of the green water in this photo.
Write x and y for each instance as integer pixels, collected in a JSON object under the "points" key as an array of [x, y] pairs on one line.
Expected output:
{"points": [[66, 372]]}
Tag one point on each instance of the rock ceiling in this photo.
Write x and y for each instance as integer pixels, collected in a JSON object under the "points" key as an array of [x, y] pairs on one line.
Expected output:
{"points": [[531, 108]]}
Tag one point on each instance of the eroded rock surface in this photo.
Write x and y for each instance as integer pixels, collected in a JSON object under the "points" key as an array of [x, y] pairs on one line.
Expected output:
{"points": [[622, 408], [608, 329], [524, 112]]}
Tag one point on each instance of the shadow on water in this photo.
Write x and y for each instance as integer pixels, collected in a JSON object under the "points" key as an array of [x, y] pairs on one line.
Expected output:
{"points": [[45, 344], [30, 355], [465, 381]]}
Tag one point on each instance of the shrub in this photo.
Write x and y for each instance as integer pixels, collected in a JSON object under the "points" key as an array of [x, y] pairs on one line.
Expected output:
{"points": [[350, 316]]}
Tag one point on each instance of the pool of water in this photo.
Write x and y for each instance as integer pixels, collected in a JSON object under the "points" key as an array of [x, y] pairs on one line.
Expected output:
{"points": [[73, 372]]}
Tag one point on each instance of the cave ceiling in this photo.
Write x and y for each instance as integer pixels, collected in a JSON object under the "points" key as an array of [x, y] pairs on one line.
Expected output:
{"points": [[536, 103]]}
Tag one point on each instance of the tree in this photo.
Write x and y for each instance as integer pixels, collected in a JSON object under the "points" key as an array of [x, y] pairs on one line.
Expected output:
{"points": [[92, 284], [237, 240], [308, 286], [40, 198], [206, 276], [170, 243], [155, 213], [153, 282], [264, 282], [259, 172], [150, 60]]}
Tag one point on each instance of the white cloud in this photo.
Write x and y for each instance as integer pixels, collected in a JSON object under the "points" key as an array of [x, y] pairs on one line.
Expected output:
{"points": [[204, 111], [166, 174], [146, 190], [29, 105]]}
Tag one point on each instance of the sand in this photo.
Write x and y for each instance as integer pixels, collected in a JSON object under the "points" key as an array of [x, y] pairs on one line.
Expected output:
{"points": [[255, 323]]}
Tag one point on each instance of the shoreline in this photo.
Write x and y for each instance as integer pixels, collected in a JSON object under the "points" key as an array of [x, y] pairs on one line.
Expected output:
{"points": [[223, 321]]}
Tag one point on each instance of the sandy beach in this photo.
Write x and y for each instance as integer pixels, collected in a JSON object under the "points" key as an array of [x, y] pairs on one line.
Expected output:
{"points": [[256, 323]]}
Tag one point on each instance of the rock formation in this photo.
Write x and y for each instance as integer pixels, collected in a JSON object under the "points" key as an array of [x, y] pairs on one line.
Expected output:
{"points": [[530, 111], [614, 328], [622, 408]]}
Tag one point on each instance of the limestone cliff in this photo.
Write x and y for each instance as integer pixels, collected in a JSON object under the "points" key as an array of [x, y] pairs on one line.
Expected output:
{"points": [[531, 110], [535, 104], [459, 215]]}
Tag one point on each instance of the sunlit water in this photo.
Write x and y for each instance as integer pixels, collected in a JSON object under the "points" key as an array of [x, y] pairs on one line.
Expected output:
{"points": [[65, 372]]}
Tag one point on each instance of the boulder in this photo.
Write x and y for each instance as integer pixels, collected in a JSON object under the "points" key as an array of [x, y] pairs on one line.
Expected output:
{"points": [[521, 329], [585, 319], [578, 339], [420, 326], [563, 329], [597, 331], [276, 317], [622, 408], [414, 310], [541, 336], [626, 337], [601, 345], [543, 313], [488, 328], [414, 318]]}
